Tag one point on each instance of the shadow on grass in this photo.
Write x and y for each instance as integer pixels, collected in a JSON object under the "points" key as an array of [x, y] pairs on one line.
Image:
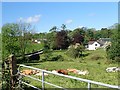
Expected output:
{"points": [[84, 55], [30, 64], [29, 88]]}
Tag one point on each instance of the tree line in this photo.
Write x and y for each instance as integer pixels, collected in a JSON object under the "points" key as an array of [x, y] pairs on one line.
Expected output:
{"points": [[62, 38], [17, 36]]}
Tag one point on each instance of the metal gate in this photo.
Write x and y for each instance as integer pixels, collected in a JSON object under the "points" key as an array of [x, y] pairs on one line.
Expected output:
{"points": [[89, 82]]}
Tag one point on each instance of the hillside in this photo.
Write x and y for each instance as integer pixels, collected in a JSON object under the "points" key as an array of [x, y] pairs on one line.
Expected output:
{"points": [[96, 68]]}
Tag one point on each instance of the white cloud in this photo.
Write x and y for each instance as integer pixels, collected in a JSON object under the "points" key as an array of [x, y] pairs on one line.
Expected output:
{"points": [[69, 21], [32, 19]]}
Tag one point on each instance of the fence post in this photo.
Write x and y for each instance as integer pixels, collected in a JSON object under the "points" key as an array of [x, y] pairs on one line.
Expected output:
{"points": [[43, 80], [19, 77], [13, 70], [89, 86]]}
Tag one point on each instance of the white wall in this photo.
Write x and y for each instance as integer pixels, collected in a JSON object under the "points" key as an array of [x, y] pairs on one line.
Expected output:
{"points": [[93, 46]]}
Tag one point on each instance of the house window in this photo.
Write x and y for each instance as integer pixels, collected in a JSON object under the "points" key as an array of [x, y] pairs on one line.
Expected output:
{"points": [[95, 44], [87, 46]]}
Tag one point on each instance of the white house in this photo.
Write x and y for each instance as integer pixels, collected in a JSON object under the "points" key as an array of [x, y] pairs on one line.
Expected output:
{"points": [[93, 45], [36, 41]]}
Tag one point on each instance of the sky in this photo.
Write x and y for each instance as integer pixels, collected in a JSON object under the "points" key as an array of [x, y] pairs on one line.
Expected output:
{"points": [[44, 15]]}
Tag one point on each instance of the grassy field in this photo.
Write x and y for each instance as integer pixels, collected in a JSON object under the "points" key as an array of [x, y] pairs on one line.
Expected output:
{"points": [[96, 68], [33, 46]]}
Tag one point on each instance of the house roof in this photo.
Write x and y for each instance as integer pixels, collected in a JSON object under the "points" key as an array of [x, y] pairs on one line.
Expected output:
{"points": [[105, 39], [102, 41], [91, 42]]}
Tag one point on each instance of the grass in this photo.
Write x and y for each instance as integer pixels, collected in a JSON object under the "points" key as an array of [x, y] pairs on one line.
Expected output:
{"points": [[34, 46], [96, 68]]}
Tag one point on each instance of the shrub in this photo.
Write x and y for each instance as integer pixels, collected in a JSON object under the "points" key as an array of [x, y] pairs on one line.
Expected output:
{"points": [[98, 63], [72, 52], [48, 56], [60, 58], [53, 45], [57, 58], [75, 51], [96, 57], [113, 50], [117, 59]]}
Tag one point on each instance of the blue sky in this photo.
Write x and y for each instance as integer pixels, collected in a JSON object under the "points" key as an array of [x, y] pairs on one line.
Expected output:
{"points": [[45, 15]]}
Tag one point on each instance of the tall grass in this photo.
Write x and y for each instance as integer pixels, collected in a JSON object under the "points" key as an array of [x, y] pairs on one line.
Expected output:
{"points": [[33, 46], [96, 68]]}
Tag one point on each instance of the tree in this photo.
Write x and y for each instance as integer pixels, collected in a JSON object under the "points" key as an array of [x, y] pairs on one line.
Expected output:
{"points": [[75, 51], [80, 49], [25, 29], [63, 26], [78, 36], [10, 39], [58, 39], [10, 44], [62, 40], [53, 29], [51, 37], [15, 37], [113, 51], [90, 34], [97, 35], [72, 52], [105, 33]]}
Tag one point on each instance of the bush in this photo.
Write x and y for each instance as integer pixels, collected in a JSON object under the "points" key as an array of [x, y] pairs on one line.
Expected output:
{"points": [[72, 52], [48, 56], [96, 57], [117, 59], [53, 45], [98, 63], [56, 58], [113, 50]]}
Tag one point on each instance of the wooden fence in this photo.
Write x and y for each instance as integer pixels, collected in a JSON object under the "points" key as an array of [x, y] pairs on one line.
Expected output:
{"points": [[10, 64]]}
